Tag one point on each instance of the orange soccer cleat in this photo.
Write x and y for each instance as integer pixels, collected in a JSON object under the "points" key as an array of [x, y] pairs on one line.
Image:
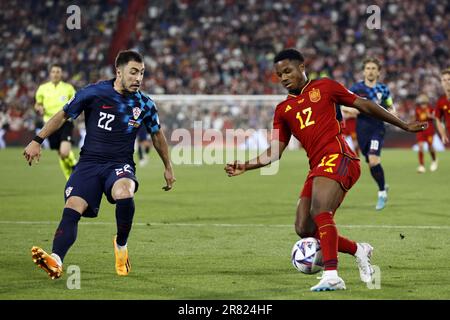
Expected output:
{"points": [[123, 266], [46, 262]]}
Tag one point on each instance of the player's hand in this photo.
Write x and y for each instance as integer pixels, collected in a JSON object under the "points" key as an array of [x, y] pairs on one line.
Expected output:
{"points": [[444, 139], [170, 179], [32, 152], [234, 169], [416, 126]]}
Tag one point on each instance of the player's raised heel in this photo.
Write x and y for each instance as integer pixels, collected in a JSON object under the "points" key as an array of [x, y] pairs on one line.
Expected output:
{"points": [[363, 255], [123, 265], [46, 262], [382, 199]]}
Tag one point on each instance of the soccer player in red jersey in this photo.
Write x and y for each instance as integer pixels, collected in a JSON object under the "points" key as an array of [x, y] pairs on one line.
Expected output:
{"points": [[309, 114], [424, 112], [443, 107]]}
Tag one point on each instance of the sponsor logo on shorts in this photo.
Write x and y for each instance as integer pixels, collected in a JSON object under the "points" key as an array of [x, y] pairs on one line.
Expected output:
{"points": [[126, 169], [68, 191]]}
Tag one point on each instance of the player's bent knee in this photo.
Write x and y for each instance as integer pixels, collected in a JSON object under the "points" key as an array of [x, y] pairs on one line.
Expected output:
{"points": [[123, 189], [64, 149], [303, 233], [373, 161], [76, 203]]}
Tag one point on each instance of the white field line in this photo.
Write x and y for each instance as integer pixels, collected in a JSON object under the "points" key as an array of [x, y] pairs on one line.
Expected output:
{"points": [[226, 225]]}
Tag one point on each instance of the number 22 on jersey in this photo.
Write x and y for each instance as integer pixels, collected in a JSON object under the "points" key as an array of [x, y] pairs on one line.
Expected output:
{"points": [[104, 121], [305, 120]]}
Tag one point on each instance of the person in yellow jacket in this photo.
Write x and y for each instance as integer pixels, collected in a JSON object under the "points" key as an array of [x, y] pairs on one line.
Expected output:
{"points": [[50, 98]]}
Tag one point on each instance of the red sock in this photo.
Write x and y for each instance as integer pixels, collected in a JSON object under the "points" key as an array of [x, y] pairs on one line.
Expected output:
{"points": [[328, 239], [347, 246], [344, 245], [421, 158]]}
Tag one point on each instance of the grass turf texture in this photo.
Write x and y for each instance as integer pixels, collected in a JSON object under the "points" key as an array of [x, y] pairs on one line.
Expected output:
{"points": [[215, 237]]}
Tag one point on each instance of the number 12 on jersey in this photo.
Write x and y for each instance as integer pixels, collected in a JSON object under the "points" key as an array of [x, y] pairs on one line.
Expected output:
{"points": [[105, 120], [307, 112]]}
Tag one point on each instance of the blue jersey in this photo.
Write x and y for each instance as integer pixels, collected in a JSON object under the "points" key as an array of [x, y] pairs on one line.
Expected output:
{"points": [[379, 94], [112, 121]]}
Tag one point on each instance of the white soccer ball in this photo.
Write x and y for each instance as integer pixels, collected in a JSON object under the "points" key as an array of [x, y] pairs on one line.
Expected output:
{"points": [[306, 256]]}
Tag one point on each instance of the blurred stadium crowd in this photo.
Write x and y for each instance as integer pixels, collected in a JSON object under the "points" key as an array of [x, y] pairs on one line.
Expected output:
{"points": [[224, 47]]}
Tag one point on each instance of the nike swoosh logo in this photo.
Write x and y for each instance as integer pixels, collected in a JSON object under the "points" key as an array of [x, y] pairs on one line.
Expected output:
{"points": [[333, 284], [106, 107]]}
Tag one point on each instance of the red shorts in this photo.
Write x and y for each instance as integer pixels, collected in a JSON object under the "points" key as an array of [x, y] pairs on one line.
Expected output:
{"points": [[424, 137], [340, 168]]}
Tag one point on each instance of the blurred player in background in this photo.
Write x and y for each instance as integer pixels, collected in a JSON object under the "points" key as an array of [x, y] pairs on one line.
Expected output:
{"points": [[349, 116], [309, 113], [424, 112], [143, 146], [50, 98], [443, 107], [370, 131], [114, 111]]}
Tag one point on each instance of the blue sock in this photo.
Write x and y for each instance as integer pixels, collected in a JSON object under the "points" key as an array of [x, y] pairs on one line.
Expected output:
{"points": [[66, 233], [378, 174], [124, 219]]}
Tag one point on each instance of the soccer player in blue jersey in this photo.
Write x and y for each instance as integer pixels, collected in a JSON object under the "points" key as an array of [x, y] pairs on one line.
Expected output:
{"points": [[370, 131], [114, 111]]}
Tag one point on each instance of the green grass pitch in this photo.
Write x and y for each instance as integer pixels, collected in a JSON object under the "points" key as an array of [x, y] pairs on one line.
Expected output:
{"points": [[215, 237]]}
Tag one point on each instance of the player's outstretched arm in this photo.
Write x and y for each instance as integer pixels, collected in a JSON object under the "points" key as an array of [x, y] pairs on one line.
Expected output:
{"points": [[33, 149], [160, 144], [271, 154], [374, 110]]}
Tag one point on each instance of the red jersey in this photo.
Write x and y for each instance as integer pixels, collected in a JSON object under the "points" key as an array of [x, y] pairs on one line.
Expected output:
{"points": [[426, 114], [443, 110], [311, 118]]}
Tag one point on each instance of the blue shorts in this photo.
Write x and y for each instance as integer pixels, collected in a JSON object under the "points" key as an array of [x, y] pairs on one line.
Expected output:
{"points": [[370, 144], [142, 134], [90, 180]]}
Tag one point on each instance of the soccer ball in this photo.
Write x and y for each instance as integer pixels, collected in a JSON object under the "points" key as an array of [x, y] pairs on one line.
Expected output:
{"points": [[306, 256]]}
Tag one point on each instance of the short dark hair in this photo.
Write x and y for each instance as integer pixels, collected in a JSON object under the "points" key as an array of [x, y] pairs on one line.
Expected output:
{"points": [[372, 60], [55, 65], [445, 71], [125, 56], [290, 54]]}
